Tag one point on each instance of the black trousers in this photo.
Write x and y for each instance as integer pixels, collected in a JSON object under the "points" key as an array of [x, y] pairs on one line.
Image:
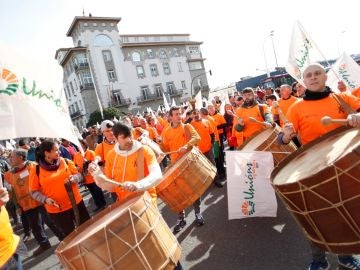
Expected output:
{"points": [[37, 217], [97, 194], [66, 219]]}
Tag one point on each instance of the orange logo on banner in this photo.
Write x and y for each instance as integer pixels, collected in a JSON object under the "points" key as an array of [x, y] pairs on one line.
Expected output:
{"points": [[8, 82]]}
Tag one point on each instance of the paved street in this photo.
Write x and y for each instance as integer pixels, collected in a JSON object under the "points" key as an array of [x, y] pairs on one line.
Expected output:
{"points": [[251, 244]]}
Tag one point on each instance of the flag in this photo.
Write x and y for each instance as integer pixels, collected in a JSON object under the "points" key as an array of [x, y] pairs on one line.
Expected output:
{"points": [[302, 52], [250, 193], [345, 69], [30, 106], [166, 104], [9, 146], [173, 103]]}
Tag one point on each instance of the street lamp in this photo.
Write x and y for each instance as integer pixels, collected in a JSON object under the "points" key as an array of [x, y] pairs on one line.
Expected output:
{"points": [[272, 41], [266, 66], [197, 76]]}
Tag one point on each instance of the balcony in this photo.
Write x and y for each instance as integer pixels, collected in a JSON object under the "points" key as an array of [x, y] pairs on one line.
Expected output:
{"points": [[120, 102], [175, 93], [87, 86], [148, 98], [81, 66], [75, 115]]}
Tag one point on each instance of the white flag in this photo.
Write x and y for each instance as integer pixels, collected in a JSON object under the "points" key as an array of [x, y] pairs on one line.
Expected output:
{"points": [[301, 52], [9, 146], [347, 70], [250, 193], [173, 103], [166, 104], [28, 106], [198, 100]]}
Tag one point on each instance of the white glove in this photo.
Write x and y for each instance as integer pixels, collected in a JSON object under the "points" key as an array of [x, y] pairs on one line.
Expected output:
{"points": [[289, 132], [354, 120], [268, 125]]}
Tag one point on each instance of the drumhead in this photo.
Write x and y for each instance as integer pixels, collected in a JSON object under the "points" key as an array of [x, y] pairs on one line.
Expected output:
{"points": [[257, 139], [85, 230], [169, 170], [317, 157]]}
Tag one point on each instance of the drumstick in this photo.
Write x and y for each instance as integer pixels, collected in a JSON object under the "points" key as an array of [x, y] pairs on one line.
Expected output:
{"points": [[252, 119], [112, 182], [275, 105], [171, 152], [326, 120]]}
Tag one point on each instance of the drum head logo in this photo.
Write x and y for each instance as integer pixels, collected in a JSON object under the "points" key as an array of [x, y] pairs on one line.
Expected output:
{"points": [[248, 208], [8, 82]]}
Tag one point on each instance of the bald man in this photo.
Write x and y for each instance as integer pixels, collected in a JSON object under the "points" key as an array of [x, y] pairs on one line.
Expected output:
{"points": [[304, 117]]}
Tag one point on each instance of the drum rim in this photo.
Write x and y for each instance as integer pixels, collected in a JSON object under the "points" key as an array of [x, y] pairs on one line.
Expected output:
{"points": [[254, 135], [302, 149]]}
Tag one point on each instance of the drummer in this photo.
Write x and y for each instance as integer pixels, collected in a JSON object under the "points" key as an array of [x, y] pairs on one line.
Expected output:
{"points": [[181, 138], [251, 108], [304, 121], [130, 163]]}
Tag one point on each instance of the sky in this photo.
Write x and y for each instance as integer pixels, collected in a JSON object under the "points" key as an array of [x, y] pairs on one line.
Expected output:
{"points": [[235, 34]]}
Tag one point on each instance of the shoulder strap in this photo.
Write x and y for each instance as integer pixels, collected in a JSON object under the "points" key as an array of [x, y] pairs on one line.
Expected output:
{"points": [[261, 109], [343, 105], [37, 170], [187, 132], [140, 163]]}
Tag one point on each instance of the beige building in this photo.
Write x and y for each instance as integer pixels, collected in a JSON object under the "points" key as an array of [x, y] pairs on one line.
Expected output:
{"points": [[130, 72]]}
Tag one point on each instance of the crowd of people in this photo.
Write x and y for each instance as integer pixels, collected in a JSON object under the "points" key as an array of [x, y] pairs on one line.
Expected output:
{"points": [[44, 176]]}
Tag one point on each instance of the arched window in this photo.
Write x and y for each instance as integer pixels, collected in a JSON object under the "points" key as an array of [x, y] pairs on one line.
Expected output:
{"points": [[162, 54], [103, 40], [136, 57]]}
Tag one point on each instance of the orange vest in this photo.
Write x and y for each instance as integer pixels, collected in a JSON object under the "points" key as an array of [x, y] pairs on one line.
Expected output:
{"points": [[250, 127]]}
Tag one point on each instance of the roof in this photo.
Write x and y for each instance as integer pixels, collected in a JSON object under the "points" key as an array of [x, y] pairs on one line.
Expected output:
{"points": [[90, 18], [165, 43], [153, 35]]}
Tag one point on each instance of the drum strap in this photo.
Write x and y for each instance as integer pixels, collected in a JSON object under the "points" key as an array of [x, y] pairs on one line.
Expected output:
{"points": [[343, 105], [140, 163]]}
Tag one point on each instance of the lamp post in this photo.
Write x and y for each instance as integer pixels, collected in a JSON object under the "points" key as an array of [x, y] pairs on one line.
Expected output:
{"points": [[266, 66], [272, 41], [197, 76]]}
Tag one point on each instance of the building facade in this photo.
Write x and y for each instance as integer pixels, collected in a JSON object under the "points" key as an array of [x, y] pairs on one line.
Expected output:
{"points": [[130, 72]]}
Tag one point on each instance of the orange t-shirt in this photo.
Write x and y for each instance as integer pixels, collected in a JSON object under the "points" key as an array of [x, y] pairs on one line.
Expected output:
{"points": [[356, 92], [8, 240], [152, 132], [51, 184], [204, 129], [173, 139], [214, 127], [250, 127], [137, 132], [20, 183], [103, 149], [121, 169], [285, 104], [305, 115], [219, 119], [79, 162], [238, 135]]}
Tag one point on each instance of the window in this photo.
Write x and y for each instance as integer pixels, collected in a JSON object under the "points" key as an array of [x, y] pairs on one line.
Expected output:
{"points": [[103, 40], [80, 105], [66, 95], [68, 92], [154, 70], [183, 84], [76, 107], [86, 76], [170, 88], [111, 75], [107, 56], [145, 92], [140, 72], [72, 89], [176, 52], [150, 53], [162, 54], [194, 50], [195, 65], [180, 66], [136, 57], [158, 90], [166, 68], [75, 84]]}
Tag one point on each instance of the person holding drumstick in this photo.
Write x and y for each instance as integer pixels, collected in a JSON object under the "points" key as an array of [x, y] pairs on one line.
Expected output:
{"points": [[179, 138], [305, 122]]}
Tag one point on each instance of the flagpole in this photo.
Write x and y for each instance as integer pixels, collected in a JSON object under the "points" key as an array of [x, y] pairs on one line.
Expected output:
{"points": [[317, 47]]}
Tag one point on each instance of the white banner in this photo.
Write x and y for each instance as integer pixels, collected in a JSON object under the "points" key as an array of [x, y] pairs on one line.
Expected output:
{"points": [[27, 107], [250, 193], [347, 70], [301, 52]]}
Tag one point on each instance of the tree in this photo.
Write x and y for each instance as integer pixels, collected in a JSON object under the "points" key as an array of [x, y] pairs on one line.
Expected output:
{"points": [[109, 114]]}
